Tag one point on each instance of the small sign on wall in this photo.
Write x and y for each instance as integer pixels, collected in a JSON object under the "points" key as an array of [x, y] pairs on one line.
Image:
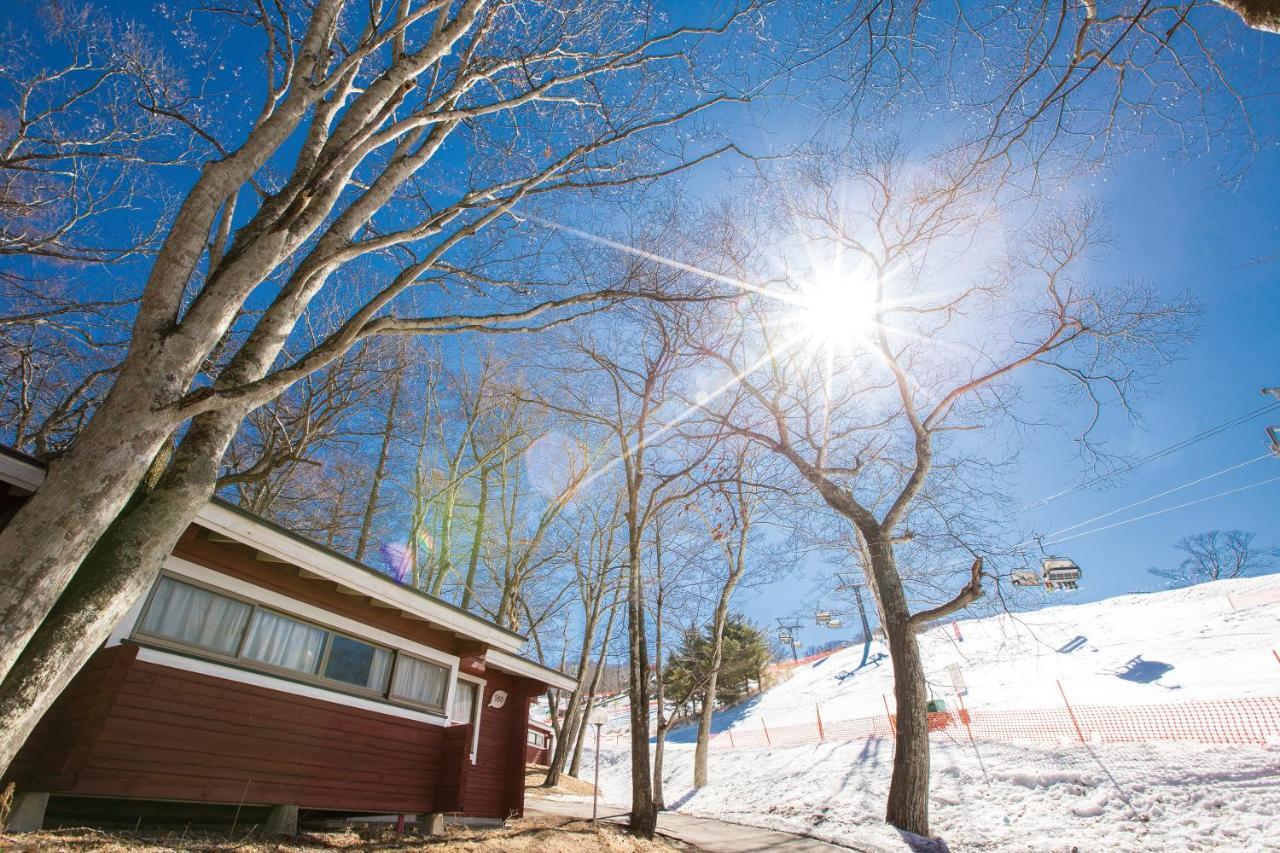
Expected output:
{"points": [[498, 699]]}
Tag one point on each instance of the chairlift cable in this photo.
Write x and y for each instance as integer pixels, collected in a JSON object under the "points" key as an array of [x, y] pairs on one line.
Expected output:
{"points": [[1159, 454], [1156, 496], [1166, 509]]}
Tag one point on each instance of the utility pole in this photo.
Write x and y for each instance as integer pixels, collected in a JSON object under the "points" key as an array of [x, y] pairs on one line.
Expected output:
{"points": [[1273, 432], [846, 583], [788, 634]]}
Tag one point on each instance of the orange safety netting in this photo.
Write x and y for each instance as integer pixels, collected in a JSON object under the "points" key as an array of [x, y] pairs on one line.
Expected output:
{"points": [[1220, 721]]}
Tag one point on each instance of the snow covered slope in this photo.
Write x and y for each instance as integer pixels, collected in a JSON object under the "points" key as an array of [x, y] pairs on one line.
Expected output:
{"points": [[1135, 649], [1190, 644]]}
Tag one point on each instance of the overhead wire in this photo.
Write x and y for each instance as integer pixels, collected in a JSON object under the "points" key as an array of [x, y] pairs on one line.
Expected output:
{"points": [[1152, 457], [1149, 499], [1166, 509]]}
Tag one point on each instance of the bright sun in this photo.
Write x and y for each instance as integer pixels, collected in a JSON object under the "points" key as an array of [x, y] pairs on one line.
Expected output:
{"points": [[836, 311]]}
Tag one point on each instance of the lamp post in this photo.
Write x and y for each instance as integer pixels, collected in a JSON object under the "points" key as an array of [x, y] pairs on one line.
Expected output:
{"points": [[598, 717]]}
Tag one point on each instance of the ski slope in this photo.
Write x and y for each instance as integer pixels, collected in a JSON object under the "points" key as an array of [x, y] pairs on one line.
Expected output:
{"points": [[1169, 647], [1191, 645]]}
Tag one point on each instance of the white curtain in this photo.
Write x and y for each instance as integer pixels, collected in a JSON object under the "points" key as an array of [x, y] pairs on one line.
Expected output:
{"points": [[379, 670], [420, 681], [193, 615], [284, 642], [464, 702]]}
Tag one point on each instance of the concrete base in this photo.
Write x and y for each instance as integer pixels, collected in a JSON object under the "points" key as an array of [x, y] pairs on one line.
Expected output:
{"points": [[475, 822], [432, 824], [283, 820], [27, 813]]}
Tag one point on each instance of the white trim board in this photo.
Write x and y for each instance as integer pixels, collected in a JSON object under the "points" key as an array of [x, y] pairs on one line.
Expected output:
{"points": [[514, 665], [283, 685], [234, 525]]}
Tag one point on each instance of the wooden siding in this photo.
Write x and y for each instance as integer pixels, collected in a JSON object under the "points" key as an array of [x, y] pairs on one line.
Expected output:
{"points": [[128, 728]]}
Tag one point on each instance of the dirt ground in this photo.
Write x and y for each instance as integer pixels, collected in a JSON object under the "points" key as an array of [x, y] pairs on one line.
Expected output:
{"points": [[543, 834], [534, 774]]}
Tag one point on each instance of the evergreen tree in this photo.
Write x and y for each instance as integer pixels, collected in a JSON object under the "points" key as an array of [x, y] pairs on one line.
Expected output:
{"points": [[744, 657]]}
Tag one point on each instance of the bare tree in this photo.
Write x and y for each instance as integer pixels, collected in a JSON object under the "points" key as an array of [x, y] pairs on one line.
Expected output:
{"points": [[619, 386], [735, 506], [1217, 554], [375, 97], [867, 373], [595, 564]]}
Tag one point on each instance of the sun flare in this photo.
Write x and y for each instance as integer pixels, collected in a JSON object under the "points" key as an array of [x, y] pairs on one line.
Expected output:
{"points": [[836, 311]]}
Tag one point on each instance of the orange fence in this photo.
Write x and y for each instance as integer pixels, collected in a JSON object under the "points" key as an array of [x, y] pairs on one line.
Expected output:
{"points": [[1266, 595], [1224, 721]]}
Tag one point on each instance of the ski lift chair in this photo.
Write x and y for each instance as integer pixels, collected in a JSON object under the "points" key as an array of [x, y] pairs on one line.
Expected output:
{"points": [[1059, 573], [822, 617], [1025, 577], [833, 623]]}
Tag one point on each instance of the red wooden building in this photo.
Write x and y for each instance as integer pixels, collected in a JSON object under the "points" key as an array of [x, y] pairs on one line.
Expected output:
{"points": [[264, 672], [541, 743]]}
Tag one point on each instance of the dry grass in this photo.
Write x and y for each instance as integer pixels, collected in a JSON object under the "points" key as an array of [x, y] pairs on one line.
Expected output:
{"points": [[534, 774], [542, 834]]}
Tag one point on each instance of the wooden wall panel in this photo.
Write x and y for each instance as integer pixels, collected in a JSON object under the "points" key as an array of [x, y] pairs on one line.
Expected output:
{"points": [[173, 734]]}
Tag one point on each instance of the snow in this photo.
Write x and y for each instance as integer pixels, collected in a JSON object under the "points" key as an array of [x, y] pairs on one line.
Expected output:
{"points": [[1118, 797], [1002, 796], [1011, 660]]}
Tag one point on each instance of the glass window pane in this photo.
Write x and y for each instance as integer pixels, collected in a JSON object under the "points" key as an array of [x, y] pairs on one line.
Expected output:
{"points": [[284, 642], [358, 663], [196, 616], [464, 702], [419, 681]]}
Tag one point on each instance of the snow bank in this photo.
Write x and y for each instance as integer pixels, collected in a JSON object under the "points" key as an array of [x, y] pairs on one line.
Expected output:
{"points": [[1157, 648], [999, 797]]}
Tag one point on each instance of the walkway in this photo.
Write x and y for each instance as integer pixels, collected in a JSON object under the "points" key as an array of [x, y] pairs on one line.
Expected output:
{"points": [[715, 836]]}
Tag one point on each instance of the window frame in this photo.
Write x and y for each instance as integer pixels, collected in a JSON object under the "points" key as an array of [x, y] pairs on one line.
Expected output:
{"points": [[442, 710], [477, 712], [239, 661]]}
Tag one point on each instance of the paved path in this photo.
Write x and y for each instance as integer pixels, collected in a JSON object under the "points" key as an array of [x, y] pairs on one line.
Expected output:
{"points": [[715, 836]]}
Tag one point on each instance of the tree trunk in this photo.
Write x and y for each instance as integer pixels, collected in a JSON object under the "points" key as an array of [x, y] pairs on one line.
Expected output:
{"points": [[384, 453], [477, 539], [702, 747], [82, 494], [908, 806], [643, 818], [659, 749], [115, 576], [594, 688]]}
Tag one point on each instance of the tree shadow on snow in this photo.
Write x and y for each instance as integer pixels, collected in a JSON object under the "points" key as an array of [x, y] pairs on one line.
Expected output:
{"points": [[720, 721]]}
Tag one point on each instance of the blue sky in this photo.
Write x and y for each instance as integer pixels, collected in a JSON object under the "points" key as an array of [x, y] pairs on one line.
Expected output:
{"points": [[1179, 228]]}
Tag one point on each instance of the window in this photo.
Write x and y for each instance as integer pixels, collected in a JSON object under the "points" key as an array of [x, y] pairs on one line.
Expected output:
{"points": [[189, 616], [420, 682], [358, 663], [195, 616], [464, 702], [284, 642], [538, 739]]}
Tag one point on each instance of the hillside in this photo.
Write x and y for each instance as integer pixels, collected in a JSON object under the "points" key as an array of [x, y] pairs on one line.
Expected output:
{"points": [[1133, 649], [1161, 648]]}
